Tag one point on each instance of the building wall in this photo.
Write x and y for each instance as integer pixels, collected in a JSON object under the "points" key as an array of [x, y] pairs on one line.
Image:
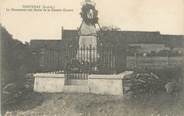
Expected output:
{"points": [[150, 47], [154, 62]]}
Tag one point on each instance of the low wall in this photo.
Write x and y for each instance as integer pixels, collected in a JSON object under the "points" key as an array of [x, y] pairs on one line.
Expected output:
{"points": [[105, 84], [50, 83], [76, 89], [98, 84]]}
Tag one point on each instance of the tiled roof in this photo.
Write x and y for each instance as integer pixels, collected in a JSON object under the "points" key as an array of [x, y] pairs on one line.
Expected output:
{"points": [[174, 40], [130, 36], [69, 34]]}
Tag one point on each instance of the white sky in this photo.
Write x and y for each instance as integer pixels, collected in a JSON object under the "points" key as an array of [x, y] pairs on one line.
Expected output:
{"points": [[166, 16]]}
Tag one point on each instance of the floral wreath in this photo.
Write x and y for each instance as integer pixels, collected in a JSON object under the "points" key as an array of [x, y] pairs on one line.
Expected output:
{"points": [[84, 14]]}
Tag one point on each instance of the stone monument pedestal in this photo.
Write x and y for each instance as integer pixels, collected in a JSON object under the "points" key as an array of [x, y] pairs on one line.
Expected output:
{"points": [[87, 44]]}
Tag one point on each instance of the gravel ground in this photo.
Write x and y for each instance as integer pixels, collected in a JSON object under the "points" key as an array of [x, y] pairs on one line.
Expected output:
{"points": [[35, 104]]}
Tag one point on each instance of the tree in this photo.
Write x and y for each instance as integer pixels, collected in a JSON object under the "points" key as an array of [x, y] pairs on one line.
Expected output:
{"points": [[16, 59], [110, 28]]}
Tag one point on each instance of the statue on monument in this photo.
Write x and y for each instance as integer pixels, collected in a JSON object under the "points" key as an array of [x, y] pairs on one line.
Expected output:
{"points": [[87, 31]]}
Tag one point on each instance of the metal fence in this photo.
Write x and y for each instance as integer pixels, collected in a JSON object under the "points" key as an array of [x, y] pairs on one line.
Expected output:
{"points": [[81, 61], [87, 59]]}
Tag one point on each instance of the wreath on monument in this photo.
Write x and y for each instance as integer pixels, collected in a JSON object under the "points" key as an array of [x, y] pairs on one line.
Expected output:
{"points": [[89, 14]]}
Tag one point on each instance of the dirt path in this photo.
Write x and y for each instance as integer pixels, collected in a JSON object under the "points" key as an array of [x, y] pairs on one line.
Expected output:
{"points": [[97, 105]]}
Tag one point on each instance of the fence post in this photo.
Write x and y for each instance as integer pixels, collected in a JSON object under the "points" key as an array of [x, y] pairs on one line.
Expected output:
{"points": [[135, 60], [82, 52], [90, 53]]}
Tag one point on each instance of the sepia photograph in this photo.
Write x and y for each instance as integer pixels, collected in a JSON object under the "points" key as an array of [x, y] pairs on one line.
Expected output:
{"points": [[92, 57]]}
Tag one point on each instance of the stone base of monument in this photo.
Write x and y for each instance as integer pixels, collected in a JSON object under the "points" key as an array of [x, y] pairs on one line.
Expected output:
{"points": [[76, 82], [47, 82], [76, 89], [106, 84], [97, 84]]}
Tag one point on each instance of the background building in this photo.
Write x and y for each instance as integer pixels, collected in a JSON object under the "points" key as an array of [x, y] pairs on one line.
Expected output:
{"points": [[52, 54]]}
